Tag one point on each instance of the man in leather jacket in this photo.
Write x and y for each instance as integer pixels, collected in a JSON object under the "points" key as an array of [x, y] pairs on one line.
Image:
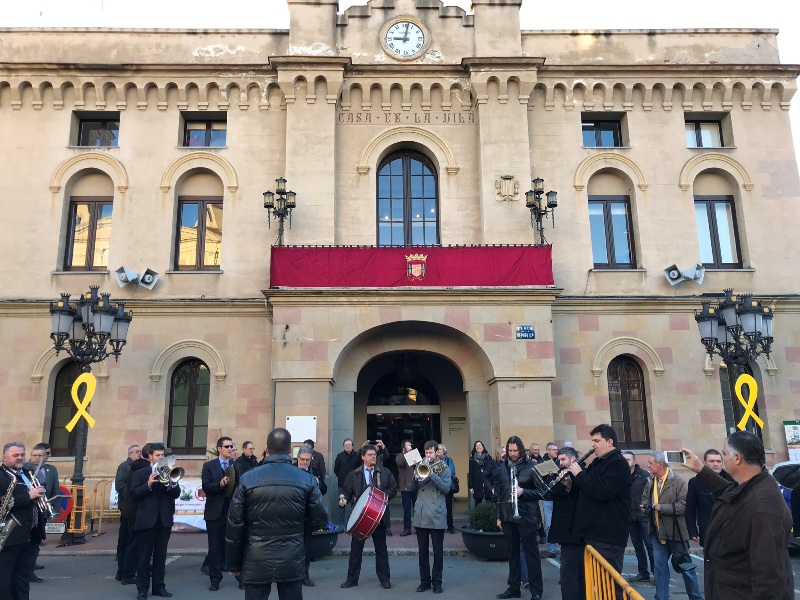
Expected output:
{"points": [[520, 531], [265, 523]]}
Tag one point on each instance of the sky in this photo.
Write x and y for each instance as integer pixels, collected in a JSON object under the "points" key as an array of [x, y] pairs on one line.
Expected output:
{"points": [[535, 14]]}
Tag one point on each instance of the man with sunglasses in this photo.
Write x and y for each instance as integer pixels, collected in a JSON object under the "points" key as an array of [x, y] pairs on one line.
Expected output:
{"points": [[215, 513]]}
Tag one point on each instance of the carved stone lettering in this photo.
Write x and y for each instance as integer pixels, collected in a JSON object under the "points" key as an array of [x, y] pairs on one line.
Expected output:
{"points": [[406, 117]]}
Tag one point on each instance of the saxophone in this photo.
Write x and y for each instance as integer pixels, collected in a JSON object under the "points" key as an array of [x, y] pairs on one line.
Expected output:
{"points": [[7, 520]]}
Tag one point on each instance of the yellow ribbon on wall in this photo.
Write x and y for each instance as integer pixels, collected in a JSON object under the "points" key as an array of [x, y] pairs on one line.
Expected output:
{"points": [[752, 387], [82, 405]]}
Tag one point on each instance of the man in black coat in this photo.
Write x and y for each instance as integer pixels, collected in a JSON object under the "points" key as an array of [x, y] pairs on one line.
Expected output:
{"points": [[346, 461], [154, 519], [48, 477], [304, 461], [120, 486], [604, 504], [215, 513], [700, 499], [269, 509], [639, 521], [520, 532], [368, 474], [128, 511], [19, 552], [565, 502], [247, 460]]}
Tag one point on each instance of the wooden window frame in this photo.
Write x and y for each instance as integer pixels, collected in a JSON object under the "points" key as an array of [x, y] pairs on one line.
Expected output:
{"points": [[626, 443], [191, 447], [208, 123], [698, 134], [606, 201], [95, 205], [709, 201], [203, 201]]}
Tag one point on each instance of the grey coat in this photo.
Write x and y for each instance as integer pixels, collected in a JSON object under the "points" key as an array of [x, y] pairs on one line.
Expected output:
{"points": [[430, 511]]}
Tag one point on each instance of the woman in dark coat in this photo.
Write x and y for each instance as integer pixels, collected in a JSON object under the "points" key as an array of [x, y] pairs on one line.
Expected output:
{"points": [[483, 475]]}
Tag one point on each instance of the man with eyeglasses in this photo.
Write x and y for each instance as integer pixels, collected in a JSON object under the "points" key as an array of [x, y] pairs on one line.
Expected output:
{"points": [[367, 475], [218, 502], [247, 460], [125, 525], [48, 477]]}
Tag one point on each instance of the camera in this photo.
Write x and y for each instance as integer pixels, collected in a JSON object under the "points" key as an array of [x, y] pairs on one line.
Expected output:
{"points": [[647, 507]]}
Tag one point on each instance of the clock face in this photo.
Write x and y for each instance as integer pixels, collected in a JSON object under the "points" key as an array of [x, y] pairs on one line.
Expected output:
{"points": [[405, 39]]}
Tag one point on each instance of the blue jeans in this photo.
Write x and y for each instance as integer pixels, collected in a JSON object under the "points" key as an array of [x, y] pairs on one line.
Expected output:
{"points": [[661, 554], [640, 538], [548, 516]]}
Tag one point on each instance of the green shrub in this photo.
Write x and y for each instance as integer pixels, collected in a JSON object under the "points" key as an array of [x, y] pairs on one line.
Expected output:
{"points": [[484, 517]]}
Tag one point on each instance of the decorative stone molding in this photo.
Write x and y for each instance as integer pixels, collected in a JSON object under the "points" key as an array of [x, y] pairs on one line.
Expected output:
{"points": [[104, 157], [406, 132], [48, 360], [616, 345], [714, 159], [608, 159], [186, 159], [181, 349], [708, 367]]}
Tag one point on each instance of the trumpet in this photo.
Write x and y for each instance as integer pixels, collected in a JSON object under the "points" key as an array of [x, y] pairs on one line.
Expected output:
{"points": [[423, 470], [42, 502], [514, 497], [168, 474]]}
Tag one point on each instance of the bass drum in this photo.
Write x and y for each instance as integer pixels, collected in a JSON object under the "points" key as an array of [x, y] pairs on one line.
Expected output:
{"points": [[367, 513]]}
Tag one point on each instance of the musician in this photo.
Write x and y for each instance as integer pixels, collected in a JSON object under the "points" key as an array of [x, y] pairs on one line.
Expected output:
{"points": [[368, 474], [604, 503], [382, 457], [565, 501], [270, 506], [347, 460], [214, 479], [405, 476], [304, 461], [19, 552], [120, 484], [520, 531], [430, 519], [247, 460], [48, 477], [154, 519]]}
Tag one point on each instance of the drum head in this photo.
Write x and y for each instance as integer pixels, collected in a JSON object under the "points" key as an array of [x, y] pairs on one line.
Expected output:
{"points": [[358, 510]]}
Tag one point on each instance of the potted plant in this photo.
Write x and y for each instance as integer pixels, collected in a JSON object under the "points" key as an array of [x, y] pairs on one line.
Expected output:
{"points": [[482, 537], [323, 541]]}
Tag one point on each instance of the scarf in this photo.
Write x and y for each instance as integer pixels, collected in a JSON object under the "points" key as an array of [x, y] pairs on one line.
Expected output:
{"points": [[480, 458]]}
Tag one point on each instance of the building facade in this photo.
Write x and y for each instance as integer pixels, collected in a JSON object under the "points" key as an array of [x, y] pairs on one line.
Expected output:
{"points": [[413, 297]]}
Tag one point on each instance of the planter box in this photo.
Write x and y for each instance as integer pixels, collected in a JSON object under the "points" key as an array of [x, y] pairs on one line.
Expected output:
{"points": [[323, 542], [485, 545]]}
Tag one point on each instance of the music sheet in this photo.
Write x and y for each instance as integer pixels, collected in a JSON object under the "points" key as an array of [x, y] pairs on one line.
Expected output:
{"points": [[413, 457]]}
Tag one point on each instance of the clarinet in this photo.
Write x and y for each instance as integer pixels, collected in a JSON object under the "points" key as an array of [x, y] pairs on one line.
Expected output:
{"points": [[565, 472]]}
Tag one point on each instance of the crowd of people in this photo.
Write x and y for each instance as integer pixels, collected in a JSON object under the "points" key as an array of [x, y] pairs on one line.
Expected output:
{"points": [[260, 514]]}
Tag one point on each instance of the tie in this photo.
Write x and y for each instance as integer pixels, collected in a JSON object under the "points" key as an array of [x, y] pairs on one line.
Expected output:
{"points": [[369, 476], [225, 466]]}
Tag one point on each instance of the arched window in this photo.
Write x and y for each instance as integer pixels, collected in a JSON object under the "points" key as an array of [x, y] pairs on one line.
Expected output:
{"points": [[627, 403], [408, 201], [733, 409], [61, 440], [188, 408]]}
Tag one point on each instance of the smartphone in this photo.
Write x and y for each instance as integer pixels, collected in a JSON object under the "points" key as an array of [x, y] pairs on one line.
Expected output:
{"points": [[675, 456]]}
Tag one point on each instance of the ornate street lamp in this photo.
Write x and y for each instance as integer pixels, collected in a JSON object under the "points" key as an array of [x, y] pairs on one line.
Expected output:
{"points": [[89, 330], [539, 210], [738, 329], [280, 207]]}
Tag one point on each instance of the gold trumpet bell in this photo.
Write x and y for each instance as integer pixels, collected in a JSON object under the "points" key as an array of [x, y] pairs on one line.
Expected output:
{"points": [[176, 474]]}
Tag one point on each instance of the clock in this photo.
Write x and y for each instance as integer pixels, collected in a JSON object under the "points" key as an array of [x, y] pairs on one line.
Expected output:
{"points": [[404, 38]]}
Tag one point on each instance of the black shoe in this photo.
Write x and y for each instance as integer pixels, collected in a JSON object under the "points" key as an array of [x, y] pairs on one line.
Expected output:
{"points": [[424, 587], [35, 579], [451, 530], [307, 582], [163, 593], [127, 580], [389, 533], [214, 587], [437, 588], [387, 585], [37, 567], [241, 586], [204, 569], [349, 584], [509, 593], [405, 532], [640, 577]]}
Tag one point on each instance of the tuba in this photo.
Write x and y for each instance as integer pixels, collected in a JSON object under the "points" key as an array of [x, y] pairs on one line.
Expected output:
{"points": [[168, 474], [423, 470]]}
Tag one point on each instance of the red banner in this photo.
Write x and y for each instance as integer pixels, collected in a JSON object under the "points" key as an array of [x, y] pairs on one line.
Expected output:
{"points": [[387, 267]]}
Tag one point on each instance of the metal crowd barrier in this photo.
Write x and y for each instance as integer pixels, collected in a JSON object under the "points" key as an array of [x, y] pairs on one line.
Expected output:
{"points": [[78, 493], [601, 578], [100, 508]]}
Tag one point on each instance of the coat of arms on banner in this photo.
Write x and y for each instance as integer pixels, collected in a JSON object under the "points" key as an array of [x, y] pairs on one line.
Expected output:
{"points": [[415, 265], [507, 188]]}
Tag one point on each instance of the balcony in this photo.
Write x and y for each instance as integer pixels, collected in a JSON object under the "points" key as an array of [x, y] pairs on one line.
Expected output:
{"points": [[415, 266]]}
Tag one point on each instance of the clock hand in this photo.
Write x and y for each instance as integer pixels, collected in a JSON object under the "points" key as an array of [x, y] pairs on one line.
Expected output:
{"points": [[405, 36]]}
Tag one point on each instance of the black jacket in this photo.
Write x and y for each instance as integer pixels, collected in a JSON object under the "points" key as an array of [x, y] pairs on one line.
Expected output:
{"points": [[355, 484], [156, 503], [483, 477], [604, 504], [323, 487], [271, 504], [243, 464], [345, 463], [25, 531], [565, 502], [129, 504], [639, 479], [533, 488], [699, 500], [216, 501]]}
